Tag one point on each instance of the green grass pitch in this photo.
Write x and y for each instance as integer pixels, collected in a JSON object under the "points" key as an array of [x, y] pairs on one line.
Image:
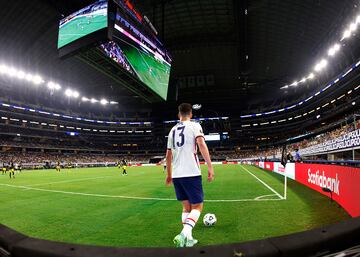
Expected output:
{"points": [[99, 206], [79, 27], [150, 71]]}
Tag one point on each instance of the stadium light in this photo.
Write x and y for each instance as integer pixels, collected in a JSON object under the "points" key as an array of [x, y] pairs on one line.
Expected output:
{"points": [[37, 80], [294, 84], [29, 77], [311, 76], [347, 33], [68, 92], [11, 72], [20, 74], [3, 69], [85, 99], [353, 26], [53, 86], [320, 65], [75, 94], [104, 101], [333, 50]]}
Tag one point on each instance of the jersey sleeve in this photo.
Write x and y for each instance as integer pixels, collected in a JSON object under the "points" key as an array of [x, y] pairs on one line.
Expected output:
{"points": [[198, 131], [170, 140]]}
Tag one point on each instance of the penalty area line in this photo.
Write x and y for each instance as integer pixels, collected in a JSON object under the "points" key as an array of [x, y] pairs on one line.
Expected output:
{"points": [[257, 199]]}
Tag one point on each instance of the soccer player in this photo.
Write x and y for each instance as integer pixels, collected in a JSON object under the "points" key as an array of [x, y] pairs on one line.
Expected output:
{"points": [[124, 166], [11, 170], [3, 168], [20, 166], [58, 166], [183, 170]]}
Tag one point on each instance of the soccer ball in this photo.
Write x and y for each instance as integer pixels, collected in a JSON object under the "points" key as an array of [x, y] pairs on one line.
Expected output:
{"points": [[209, 219]]}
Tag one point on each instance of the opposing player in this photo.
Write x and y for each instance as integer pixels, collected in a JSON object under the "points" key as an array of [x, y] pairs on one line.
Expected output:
{"points": [[184, 171], [2, 166], [11, 170], [58, 167], [124, 166]]}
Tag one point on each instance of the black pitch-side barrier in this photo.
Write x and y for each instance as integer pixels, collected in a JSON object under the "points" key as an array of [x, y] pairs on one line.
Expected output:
{"points": [[318, 241]]}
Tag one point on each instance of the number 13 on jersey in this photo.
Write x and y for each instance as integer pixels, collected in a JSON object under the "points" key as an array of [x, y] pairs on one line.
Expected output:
{"points": [[179, 132]]}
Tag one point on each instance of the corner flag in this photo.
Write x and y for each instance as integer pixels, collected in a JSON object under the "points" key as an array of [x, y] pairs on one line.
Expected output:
{"points": [[283, 156]]}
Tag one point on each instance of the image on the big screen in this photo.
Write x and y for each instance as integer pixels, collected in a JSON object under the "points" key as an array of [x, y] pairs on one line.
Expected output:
{"points": [[152, 70], [83, 22], [113, 50]]}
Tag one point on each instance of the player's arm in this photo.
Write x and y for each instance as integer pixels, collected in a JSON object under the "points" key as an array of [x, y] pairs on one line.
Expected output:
{"points": [[168, 159], [168, 166], [206, 155]]}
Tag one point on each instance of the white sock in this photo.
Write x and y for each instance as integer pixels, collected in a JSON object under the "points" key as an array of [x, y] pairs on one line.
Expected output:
{"points": [[184, 215], [190, 222]]}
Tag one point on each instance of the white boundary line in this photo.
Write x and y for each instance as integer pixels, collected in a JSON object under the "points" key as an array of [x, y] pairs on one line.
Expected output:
{"points": [[257, 199], [66, 181], [262, 182], [263, 196]]}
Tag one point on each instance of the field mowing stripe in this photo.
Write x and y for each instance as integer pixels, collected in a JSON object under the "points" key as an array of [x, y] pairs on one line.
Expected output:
{"points": [[257, 199], [262, 182], [66, 181]]}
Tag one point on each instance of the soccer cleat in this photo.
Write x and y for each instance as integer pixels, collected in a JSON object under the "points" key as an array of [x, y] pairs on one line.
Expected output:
{"points": [[179, 240], [191, 242]]}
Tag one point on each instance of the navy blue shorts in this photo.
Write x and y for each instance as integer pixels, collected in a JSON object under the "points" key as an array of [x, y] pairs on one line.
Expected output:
{"points": [[189, 188]]}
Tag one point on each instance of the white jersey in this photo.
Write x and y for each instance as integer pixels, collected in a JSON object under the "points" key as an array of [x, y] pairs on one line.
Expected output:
{"points": [[182, 143]]}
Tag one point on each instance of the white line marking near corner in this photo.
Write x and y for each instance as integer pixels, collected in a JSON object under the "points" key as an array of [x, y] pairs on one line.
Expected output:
{"points": [[263, 196], [67, 181], [262, 182], [257, 199]]}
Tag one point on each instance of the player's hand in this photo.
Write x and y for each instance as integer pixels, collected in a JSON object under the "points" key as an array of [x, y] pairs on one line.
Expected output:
{"points": [[168, 181], [210, 174]]}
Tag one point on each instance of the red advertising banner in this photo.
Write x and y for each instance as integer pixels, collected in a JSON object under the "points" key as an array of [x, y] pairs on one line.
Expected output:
{"points": [[269, 166], [344, 182]]}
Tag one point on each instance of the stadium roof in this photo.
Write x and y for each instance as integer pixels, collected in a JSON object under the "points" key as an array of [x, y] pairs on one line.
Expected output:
{"points": [[227, 54]]}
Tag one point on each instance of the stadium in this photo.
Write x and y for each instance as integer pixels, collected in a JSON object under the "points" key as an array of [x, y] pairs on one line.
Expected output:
{"points": [[179, 128]]}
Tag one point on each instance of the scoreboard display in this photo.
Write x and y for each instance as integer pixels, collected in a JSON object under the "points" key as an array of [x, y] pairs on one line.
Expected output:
{"points": [[121, 33], [83, 22]]}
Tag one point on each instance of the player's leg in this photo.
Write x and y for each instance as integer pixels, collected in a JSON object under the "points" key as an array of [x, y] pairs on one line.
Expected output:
{"points": [[193, 188], [180, 239], [185, 211]]}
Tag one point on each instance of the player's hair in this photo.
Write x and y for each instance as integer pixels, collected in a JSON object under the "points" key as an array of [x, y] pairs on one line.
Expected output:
{"points": [[185, 109]]}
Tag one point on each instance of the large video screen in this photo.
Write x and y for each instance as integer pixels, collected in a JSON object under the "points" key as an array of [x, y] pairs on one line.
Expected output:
{"points": [[139, 52], [83, 22]]}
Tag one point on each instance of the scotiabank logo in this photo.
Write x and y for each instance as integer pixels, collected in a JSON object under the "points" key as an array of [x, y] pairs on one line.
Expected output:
{"points": [[322, 180]]}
